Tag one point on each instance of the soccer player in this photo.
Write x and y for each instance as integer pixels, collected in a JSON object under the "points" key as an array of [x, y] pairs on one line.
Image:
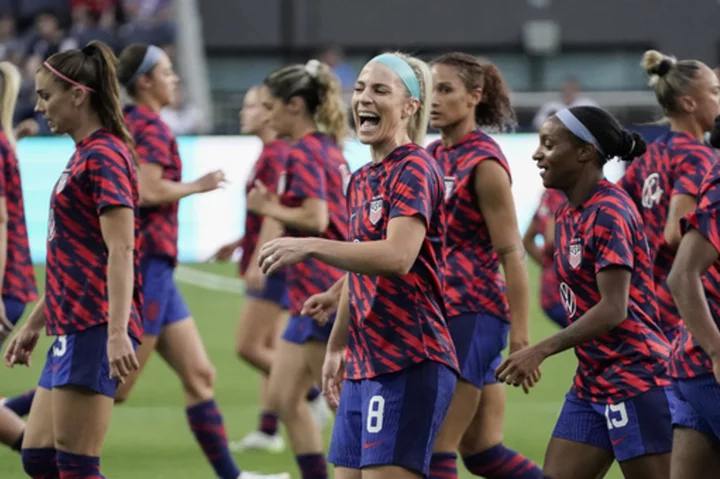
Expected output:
{"points": [[482, 233], [303, 101], [147, 74], [664, 182], [265, 304], [16, 271], [695, 285], [92, 299], [619, 406], [543, 223], [390, 336]]}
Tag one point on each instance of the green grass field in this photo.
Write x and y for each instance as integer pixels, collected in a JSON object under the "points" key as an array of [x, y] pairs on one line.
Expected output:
{"points": [[149, 437]]}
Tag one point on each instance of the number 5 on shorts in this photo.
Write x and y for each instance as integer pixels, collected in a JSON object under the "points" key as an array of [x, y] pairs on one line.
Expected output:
{"points": [[376, 408]]}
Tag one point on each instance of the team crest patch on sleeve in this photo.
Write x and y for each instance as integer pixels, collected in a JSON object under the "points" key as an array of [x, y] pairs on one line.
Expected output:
{"points": [[376, 209], [449, 186], [575, 254], [62, 181]]}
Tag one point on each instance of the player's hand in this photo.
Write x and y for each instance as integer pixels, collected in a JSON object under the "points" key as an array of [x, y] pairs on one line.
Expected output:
{"points": [[320, 307], [21, 346], [29, 127], [6, 326], [226, 251], [521, 368], [332, 376], [254, 278], [121, 356], [282, 252], [211, 181], [258, 197]]}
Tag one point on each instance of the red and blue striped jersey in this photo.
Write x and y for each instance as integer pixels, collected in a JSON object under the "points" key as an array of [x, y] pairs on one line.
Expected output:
{"points": [[155, 143], [99, 175], [607, 231], [473, 282], [550, 202], [675, 164], [688, 358], [19, 279], [268, 168], [315, 168], [398, 321]]}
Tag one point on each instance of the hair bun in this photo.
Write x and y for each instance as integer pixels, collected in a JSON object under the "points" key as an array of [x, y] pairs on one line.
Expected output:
{"points": [[657, 65], [89, 49], [312, 68], [633, 146]]}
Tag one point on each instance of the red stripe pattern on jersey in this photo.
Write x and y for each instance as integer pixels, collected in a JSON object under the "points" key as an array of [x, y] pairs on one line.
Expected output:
{"points": [[316, 168], [675, 164], [473, 282], [268, 168], [398, 321], [688, 359], [155, 143], [99, 175], [606, 231], [19, 280], [550, 202]]}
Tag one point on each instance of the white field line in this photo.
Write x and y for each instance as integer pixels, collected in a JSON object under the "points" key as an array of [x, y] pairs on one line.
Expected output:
{"points": [[211, 281]]}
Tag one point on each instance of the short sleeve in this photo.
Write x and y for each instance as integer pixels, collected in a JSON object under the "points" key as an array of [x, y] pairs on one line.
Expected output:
{"points": [[110, 181], [414, 192], [269, 170], [706, 218], [689, 172], [153, 144], [305, 176], [613, 240]]}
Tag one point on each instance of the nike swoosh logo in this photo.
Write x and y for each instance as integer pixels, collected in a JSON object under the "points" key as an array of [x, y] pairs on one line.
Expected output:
{"points": [[368, 445], [615, 442]]}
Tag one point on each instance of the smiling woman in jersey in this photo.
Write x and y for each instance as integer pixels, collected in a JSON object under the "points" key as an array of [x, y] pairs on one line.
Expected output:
{"points": [[619, 406], [390, 335]]}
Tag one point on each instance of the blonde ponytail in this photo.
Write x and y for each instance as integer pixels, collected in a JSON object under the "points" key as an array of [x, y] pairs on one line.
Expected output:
{"points": [[10, 89], [331, 114], [417, 125]]}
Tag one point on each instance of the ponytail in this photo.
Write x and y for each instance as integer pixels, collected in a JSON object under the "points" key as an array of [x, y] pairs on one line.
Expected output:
{"points": [[417, 125], [95, 67], [10, 89]]}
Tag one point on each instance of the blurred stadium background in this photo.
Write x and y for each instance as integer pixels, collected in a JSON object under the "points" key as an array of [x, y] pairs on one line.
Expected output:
{"points": [[551, 52]]}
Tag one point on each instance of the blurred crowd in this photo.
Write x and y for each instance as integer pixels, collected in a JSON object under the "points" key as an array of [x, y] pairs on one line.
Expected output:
{"points": [[32, 30]]}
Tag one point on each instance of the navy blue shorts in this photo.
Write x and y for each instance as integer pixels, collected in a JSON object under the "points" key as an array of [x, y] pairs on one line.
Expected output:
{"points": [[392, 419], [274, 291], [557, 315], [80, 359], [301, 329], [163, 304], [14, 309], [697, 405], [479, 342], [637, 427]]}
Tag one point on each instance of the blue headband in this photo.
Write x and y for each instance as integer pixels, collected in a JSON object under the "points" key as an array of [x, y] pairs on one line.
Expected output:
{"points": [[151, 58], [403, 70], [577, 128]]}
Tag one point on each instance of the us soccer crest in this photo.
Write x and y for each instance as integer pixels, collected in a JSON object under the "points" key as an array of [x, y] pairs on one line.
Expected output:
{"points": [[62, 181], [376, 209], [575, 258], [449, 186]]}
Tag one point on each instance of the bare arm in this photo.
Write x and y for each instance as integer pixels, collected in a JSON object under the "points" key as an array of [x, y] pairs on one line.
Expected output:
{"points": [[311, 216], [393, 256], [680, 206], [36, 318], [614, 287], [533, 250], [117, 225], [269, 230], [492, 186], [694, 257], [155, 190], [341, 329]]}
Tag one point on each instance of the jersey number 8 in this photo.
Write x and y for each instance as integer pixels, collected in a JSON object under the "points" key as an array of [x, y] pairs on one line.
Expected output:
{"points": [[376, 408]]}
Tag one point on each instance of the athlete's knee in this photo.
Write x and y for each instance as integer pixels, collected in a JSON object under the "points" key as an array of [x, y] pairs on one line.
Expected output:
{"points": [[248, 351], [200, 380], [40, 463]]}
